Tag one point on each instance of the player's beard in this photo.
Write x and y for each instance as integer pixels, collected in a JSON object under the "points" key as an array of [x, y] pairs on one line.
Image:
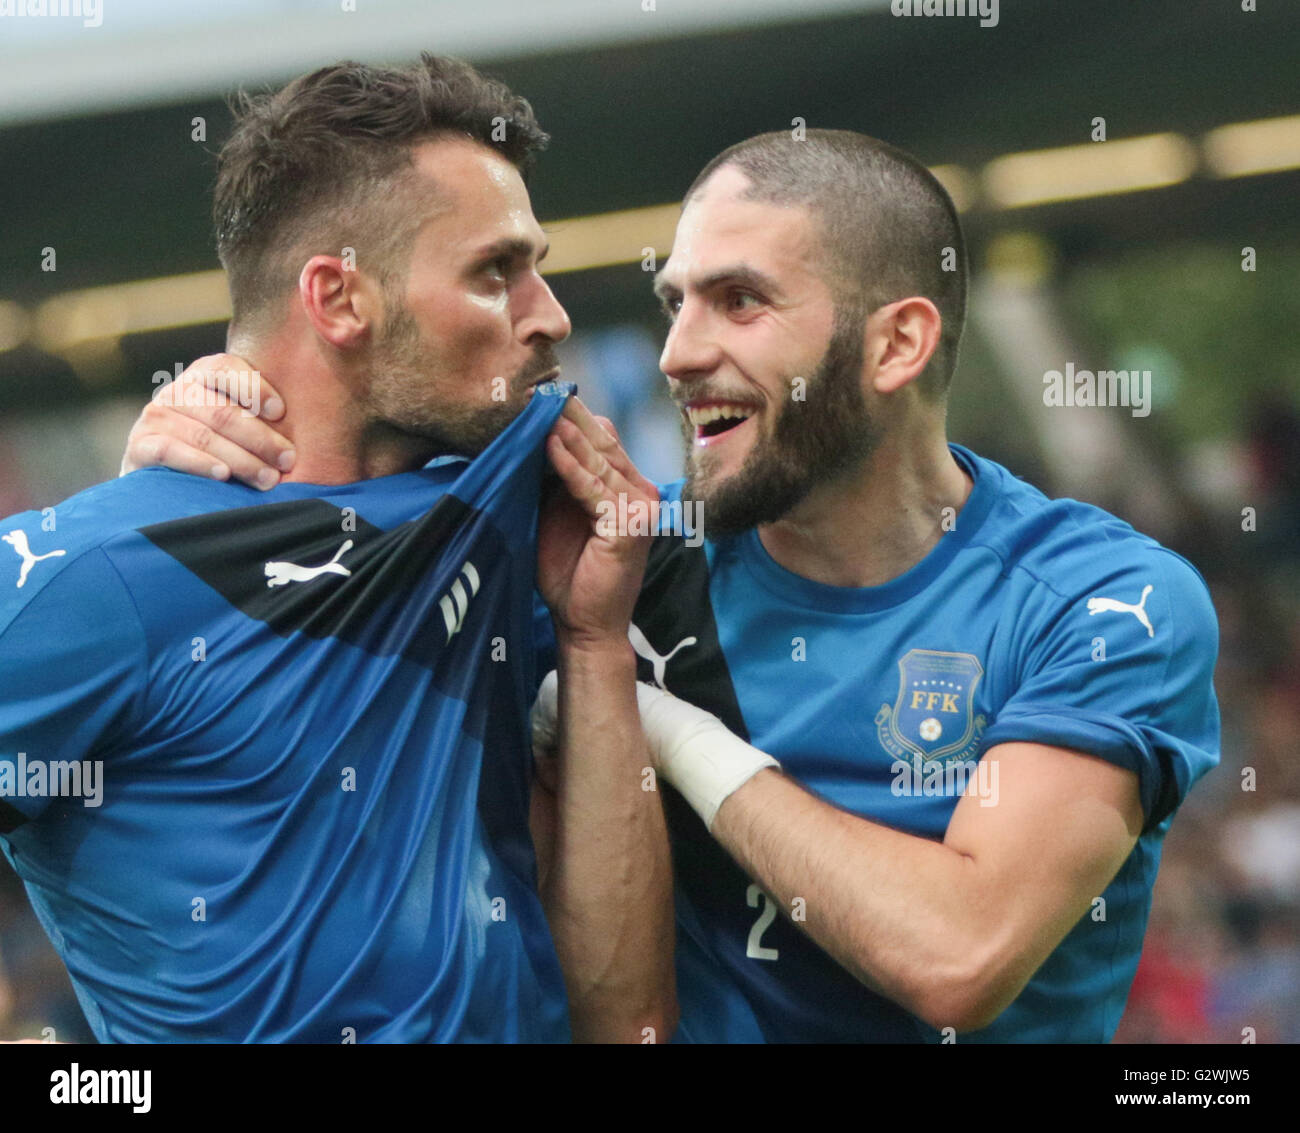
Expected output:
{"points": [[829, 433], [405, 363]]}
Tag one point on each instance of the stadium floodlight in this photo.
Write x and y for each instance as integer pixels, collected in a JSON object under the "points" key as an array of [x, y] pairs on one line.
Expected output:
{"points": [[132, 308], [610, 238], [15, 325], [1095, 169], [960, 185], [1244, 148]]}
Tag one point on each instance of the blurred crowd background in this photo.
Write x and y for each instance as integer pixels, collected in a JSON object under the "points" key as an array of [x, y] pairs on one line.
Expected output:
{"points": [[1172, 246]]}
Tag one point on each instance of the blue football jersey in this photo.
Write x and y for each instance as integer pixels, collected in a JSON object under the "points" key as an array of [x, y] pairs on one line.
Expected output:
{"points": [[1037, 620], [264, 758]]}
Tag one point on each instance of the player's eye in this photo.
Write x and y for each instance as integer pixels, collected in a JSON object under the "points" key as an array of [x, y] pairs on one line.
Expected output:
{"points": [[498, 269], [670, 307], [743, 301]]}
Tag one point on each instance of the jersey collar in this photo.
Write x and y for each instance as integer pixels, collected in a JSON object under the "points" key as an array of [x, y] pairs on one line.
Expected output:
{"points": [[802, 591]]}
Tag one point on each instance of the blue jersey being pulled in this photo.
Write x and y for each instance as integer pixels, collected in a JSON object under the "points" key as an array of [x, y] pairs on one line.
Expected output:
{"points": [[1033, 620], [263, 756]]}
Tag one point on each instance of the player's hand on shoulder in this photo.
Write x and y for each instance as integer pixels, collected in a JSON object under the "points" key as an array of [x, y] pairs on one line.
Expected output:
{"points": [[213, 421]]}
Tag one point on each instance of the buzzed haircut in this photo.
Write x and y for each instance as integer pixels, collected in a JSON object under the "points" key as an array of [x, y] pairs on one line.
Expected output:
{"points": [[883, 218], [327, 162]]}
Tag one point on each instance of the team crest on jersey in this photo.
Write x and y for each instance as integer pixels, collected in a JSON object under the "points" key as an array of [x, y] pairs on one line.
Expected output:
{"points": [[934, 715]]}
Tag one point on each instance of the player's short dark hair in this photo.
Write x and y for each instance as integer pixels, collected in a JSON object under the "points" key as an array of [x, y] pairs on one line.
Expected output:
{"points": [[326, 163], [883, 218]]}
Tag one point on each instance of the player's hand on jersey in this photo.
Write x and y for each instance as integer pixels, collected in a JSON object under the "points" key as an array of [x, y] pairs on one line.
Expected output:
{"points": [[595, 535], [213, 421]]}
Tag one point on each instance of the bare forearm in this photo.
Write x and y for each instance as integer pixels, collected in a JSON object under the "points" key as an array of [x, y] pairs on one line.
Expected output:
{"points": [[905, 915], [609, 891]]}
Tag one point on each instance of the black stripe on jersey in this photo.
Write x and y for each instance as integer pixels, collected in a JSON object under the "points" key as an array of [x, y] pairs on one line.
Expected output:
{"points": [[238, 552], [674, 605]]}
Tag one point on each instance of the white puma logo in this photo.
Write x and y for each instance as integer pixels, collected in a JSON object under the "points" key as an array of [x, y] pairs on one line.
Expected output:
{"points": [[18, 541], [1099, 605], [281, 574], [643, 648]]}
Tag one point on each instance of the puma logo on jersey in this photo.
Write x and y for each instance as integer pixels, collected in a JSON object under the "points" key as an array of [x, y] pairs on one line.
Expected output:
{"points": [[18, 541], [455, 603], [645, 650], [281, 574], [1103, 605]]}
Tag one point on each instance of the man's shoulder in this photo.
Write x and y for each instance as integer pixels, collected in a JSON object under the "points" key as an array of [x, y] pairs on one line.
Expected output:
{"points": [[1071, 546], [151, 495], [47, 545]]}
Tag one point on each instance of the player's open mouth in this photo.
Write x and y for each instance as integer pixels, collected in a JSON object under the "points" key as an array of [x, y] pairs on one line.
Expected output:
{"points": [[714, 421], [549, 376]]}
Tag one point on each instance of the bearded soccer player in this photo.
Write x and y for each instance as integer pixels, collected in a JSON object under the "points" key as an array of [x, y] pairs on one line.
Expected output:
{"points": [[304, 712], [915, 797]]}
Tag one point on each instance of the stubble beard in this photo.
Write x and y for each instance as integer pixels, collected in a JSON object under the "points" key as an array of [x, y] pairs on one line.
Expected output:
{"points": [[406, 369], [829, 433]]}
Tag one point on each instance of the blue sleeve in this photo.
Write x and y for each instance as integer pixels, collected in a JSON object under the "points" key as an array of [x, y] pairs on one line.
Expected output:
{"points": [[1126, 676], [72, 664]]}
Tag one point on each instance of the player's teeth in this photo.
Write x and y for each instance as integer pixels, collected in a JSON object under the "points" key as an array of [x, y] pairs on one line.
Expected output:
{"points": [[701, 417]]}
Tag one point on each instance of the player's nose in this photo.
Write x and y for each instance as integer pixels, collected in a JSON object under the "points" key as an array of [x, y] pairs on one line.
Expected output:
{"points": [[690, 347], [544, 316]]}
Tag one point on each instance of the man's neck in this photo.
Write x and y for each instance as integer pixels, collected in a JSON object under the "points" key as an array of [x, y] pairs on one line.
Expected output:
{"points": [[334, 439], [877, 522], [333, 451]]}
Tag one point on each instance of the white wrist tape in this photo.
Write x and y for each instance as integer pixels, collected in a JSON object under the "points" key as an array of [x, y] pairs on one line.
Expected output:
{"points": [[693, 749], [545, 714], [696, 752]]}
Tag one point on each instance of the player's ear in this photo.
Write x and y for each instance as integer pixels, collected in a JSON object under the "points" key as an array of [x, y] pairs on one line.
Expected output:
{"points": [[342, 304], [901, 338]]}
